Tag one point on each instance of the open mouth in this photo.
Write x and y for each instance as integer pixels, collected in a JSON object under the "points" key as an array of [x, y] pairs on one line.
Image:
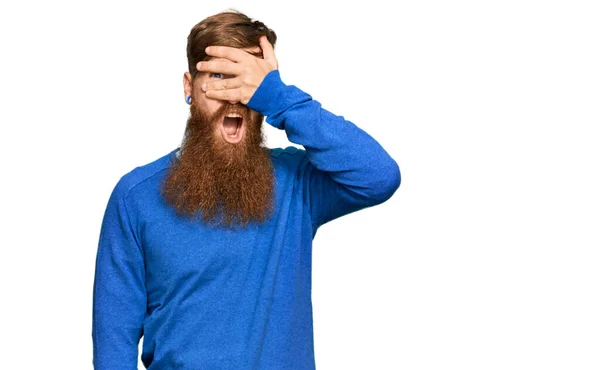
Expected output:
{"points": [[232, 128]]}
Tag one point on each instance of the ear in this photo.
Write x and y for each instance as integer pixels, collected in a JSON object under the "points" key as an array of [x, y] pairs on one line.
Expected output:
{"points": [[187, 85]]}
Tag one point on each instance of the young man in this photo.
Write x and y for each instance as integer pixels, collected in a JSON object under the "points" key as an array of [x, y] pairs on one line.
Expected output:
{"points": [[206, 252]]}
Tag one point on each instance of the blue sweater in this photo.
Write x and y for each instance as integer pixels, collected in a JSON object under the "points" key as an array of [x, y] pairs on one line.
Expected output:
{"points": [[205, 298]]}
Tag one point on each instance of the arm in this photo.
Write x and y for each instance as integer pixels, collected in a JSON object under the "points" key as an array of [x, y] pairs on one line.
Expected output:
{"points": [[119, 297], [345, 168]]}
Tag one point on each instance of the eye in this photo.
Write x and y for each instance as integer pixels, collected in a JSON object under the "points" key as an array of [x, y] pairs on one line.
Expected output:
{"points": [[216, 74]]}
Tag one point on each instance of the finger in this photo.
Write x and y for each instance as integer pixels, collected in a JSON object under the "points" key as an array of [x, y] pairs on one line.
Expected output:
{"points": [[234, 54], [267, 49], [228, 94], [227, 83], [220, 67]]}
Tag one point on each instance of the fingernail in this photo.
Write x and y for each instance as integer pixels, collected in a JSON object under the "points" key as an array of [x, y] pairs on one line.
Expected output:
{"points": [[204, 87]]}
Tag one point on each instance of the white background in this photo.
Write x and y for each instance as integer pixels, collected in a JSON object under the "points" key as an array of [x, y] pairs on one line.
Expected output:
{"points": [[487, 256]]}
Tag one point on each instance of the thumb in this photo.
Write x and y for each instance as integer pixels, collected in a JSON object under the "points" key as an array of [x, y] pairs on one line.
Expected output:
{"points": [[267, 51]]}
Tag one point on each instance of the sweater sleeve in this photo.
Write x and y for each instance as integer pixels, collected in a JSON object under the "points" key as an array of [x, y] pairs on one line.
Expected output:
{"points": [[345, 169], [119, 296]]}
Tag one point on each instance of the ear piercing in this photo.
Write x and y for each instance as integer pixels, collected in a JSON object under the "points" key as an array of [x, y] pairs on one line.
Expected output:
{"points": [[188, 99]]}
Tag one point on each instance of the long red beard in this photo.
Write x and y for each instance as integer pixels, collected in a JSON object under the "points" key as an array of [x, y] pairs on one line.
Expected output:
{"points": [[223, 184]]}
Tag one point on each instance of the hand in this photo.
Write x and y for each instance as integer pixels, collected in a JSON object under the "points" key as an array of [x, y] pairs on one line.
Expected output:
{"points": [[249, 71]]}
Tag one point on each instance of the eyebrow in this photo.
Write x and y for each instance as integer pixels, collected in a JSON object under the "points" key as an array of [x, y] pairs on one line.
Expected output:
{"points": [[256, 54], [211, 57]]}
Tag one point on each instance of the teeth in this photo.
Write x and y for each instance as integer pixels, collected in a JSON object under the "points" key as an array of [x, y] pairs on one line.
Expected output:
{"points": [[234, 115]]}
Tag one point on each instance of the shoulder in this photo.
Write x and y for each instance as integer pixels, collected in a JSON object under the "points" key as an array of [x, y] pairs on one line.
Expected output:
{"points": [[290, 161], [290, 156], [141, 174], [290, 153]]}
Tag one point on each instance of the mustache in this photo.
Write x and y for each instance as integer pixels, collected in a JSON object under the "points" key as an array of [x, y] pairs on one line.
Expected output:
{"points": [[224, 110]]}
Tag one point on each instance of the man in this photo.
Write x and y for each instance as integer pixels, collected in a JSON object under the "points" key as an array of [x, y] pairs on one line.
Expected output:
{"points": [[206, 251]]}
